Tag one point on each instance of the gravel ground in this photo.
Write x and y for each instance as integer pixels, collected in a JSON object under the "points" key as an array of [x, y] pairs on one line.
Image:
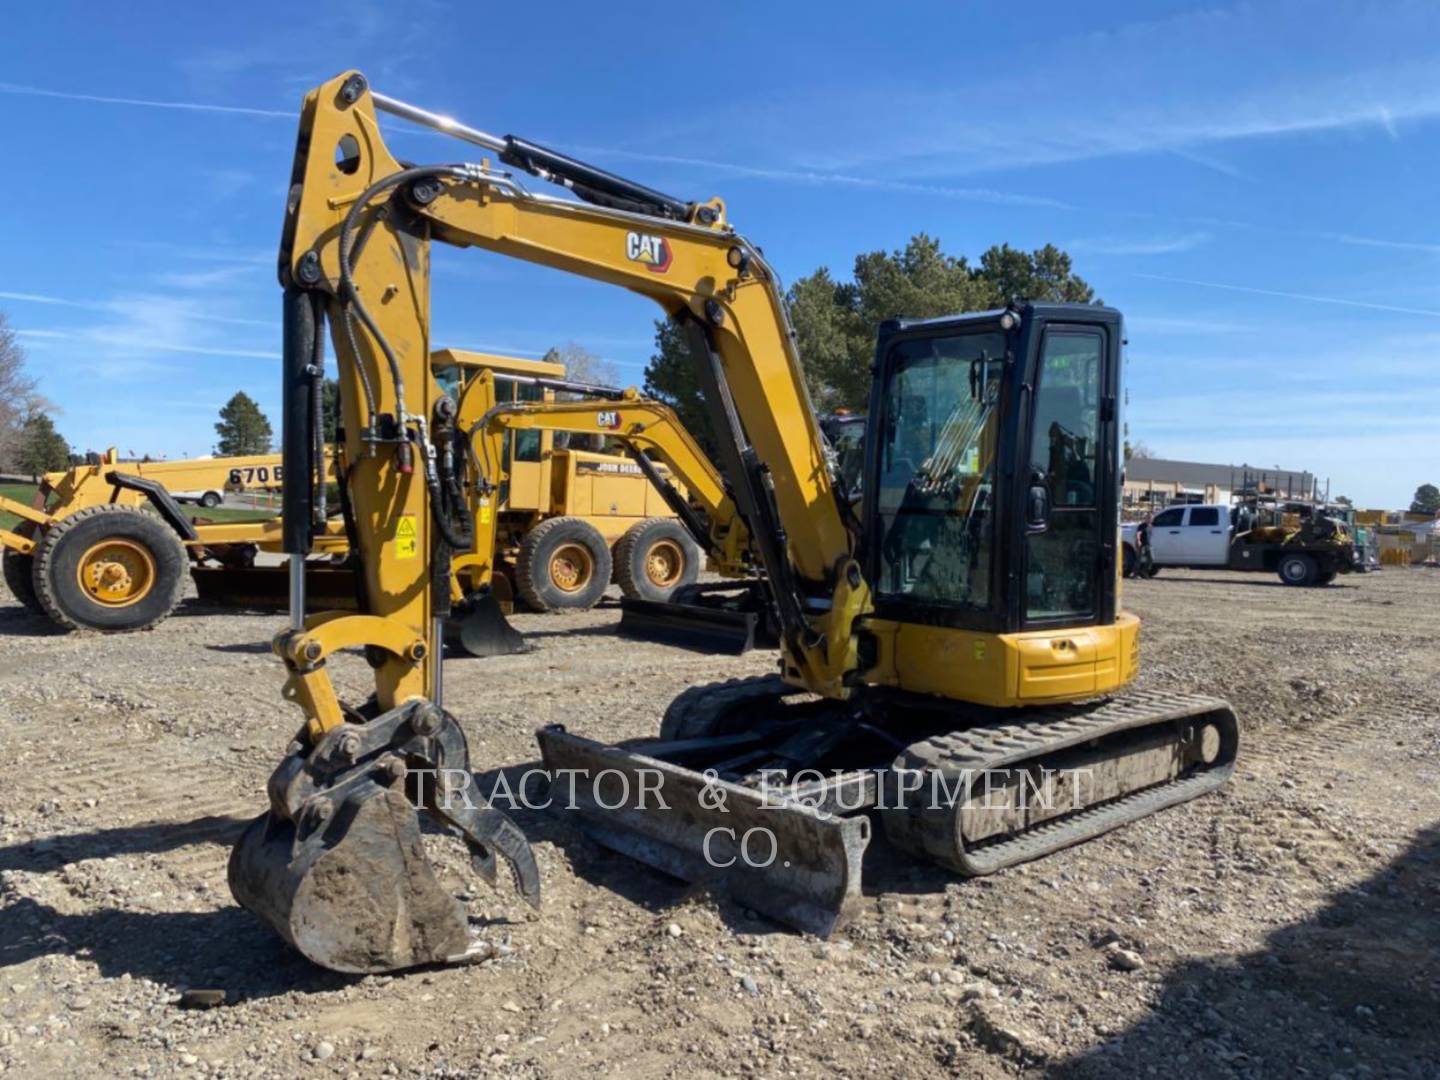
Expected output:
{"points": [[1288, 925]]}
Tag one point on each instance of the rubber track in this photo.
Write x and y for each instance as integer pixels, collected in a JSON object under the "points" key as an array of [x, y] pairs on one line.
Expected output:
{"points": [[995, 746], [695, 712]]}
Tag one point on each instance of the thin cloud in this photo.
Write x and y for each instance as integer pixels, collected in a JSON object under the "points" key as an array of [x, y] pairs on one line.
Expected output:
{"points": [[124, 304], [818, 177], [139, 344], [1336, 300], [1165, 245], [1371, 241], [185, 106]]}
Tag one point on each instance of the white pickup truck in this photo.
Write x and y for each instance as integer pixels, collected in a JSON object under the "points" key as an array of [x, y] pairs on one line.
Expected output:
{"points": [[1185, 536], [1204, 536]]}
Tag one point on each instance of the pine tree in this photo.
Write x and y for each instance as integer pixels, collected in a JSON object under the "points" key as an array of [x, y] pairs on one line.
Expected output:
{"points": [[42, 448], [243, 428]]}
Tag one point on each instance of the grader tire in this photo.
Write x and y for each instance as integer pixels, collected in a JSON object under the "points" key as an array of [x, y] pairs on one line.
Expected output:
{"points": [[110, 568], [18, 571], [564, 565], [654, 558]]}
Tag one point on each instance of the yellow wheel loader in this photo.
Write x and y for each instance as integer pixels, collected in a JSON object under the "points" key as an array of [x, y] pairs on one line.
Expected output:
{"points": [[953, 654]]}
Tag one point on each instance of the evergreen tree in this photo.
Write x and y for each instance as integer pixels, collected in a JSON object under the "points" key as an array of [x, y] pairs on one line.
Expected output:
{"points": [[1427, 500], [42, 448], [243, 428]]}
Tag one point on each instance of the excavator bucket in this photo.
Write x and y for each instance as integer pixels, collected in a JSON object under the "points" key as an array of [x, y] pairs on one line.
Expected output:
{"points": [[354, 894], [338, 867], [478, 627]]}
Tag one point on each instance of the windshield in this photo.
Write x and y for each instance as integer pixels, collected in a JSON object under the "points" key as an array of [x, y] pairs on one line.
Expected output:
{"points": [[937, 469]]}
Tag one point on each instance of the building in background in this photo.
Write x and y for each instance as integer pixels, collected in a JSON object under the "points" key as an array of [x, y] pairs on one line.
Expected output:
{"points": [[1155, 482]]}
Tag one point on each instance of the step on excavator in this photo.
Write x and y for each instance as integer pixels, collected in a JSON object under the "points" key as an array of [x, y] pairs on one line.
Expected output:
{"points": [[952, 643]]}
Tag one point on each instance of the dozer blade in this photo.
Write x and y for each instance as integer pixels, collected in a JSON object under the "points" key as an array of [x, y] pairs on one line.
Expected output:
{"points": [[267, 588], [790, 861], [338, 867], [691, 626], [479, 628], [714, 616]]}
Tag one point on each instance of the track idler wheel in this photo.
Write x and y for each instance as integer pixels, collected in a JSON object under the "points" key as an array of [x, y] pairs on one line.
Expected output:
{"points": [[338, 867]]}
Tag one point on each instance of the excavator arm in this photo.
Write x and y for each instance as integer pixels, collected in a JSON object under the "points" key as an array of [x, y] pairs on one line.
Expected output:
{"points": [[358, 230]]}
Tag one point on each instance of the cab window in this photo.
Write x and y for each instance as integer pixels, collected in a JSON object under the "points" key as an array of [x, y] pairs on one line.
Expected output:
{"points": [[938, 432], [1205, 515], [1064, 558], [1169, 519]]}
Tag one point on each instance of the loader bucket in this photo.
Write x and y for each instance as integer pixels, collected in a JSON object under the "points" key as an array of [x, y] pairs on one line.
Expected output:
{"points": [[478, 627], [352, 892], [790, 861]]}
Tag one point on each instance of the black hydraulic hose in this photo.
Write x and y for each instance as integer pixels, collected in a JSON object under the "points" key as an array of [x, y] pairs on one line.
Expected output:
{"points": [[458, 541], [349, 294], [317, 411]]}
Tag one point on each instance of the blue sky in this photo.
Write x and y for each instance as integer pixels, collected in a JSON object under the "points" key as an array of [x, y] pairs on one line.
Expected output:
{"points": [[1257, 187]]}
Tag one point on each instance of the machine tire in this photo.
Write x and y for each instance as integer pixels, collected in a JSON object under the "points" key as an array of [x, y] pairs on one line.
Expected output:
{"points": [[714, 708], [1326, 577], [18, 571], [1297, 569], [210, 500], [147, 555], [655, 558], [564, 564]]}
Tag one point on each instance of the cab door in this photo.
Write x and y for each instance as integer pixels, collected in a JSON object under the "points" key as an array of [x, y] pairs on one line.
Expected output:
{"points": [[1206, 538], [1167, 536], [1071, 474]]}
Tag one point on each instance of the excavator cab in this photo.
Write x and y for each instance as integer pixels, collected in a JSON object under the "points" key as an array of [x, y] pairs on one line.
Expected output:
{"points": [[994, 470]]}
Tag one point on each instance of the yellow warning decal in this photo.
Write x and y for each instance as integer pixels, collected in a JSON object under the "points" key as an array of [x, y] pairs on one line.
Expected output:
{"points": [[407, 544], [979, 650], [484, 511]]}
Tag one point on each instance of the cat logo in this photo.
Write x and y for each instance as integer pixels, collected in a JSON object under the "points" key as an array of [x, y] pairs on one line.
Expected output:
{"points": [[653, 251], [607, 420]]}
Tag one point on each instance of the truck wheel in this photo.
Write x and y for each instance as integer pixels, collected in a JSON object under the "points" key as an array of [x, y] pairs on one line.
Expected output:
{"points": [[564, 564], [654, 558], [1127, 561], [18, 570], [210, 500], [1297, 569], [111, 568]]}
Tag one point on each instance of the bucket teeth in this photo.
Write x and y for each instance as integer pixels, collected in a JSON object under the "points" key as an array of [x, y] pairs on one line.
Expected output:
{"points": [[338, 866]]}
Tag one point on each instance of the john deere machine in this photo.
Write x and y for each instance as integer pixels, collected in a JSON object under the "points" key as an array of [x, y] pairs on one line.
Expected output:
{"points": [[954, 631]]}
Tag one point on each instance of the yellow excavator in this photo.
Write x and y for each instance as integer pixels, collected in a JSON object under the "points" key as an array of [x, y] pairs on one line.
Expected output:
{"points": [[728, 616], [951, 643]]}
